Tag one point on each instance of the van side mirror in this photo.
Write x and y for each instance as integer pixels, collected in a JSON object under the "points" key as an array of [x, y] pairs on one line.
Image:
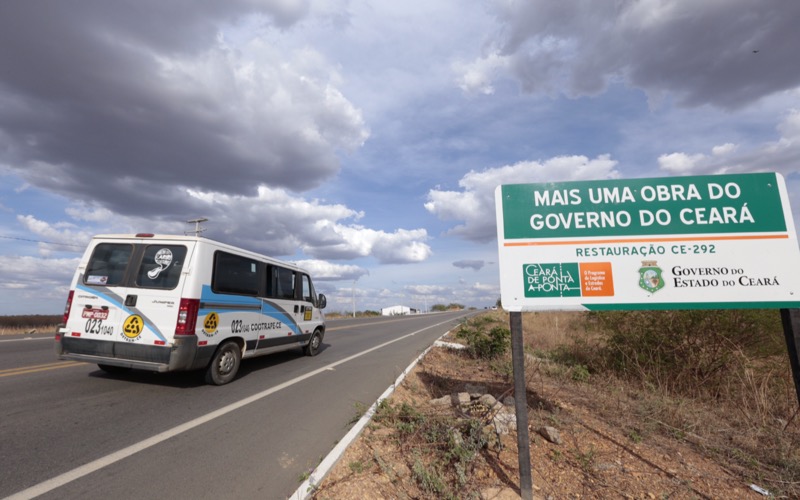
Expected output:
{"points": [[322, 301]]}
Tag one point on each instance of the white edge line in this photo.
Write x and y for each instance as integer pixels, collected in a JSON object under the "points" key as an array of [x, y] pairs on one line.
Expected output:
{"points": [[21, 339], [315, 479], [86, 469]]}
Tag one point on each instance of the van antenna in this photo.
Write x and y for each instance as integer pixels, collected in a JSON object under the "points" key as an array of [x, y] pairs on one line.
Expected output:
{"points": [[198, 230]]}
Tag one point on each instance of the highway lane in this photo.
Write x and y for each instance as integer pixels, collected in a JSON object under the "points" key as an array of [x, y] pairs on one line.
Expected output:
{"points": [[56, 420], [25, 351]]}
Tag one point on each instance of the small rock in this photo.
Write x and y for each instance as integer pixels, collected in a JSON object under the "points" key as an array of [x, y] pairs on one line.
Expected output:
{"points": [[505, 422], [496, 493], [499, 493], [462, 398], [442, 401], [551, 434]]}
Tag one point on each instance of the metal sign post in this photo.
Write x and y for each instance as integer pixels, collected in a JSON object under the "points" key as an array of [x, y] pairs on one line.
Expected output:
{"points": [[521, 406]]}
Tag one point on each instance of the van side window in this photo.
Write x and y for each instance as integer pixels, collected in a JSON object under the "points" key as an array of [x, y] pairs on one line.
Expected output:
{"points": [[280, 282], [161, 266], [234, 274], [107, 265], [308, 290]]}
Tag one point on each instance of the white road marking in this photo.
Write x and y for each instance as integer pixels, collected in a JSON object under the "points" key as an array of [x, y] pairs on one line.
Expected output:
{"points": [[84, 470], [28, 338]]}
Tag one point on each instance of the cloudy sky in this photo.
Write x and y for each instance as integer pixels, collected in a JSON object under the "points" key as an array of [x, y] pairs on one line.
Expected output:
{"points": [[361, 138]]}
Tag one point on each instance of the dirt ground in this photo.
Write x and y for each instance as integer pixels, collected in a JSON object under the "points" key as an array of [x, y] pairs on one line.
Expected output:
{"points": [[597, 457]]}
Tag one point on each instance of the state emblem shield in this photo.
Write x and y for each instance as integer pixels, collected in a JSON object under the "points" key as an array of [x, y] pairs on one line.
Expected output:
{"points": [[650, 278]]}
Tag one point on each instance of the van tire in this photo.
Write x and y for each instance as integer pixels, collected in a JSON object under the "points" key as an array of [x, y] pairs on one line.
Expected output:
{"points": [[224, 364], [312, 348]]}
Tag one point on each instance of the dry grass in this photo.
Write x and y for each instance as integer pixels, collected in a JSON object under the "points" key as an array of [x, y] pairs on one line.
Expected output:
{"points": [[28, 324], [18, 330], [750, 423]]}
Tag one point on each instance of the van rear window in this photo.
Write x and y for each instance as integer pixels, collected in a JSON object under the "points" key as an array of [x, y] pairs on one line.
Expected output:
{"points": [[161, 266], [108, 264]]}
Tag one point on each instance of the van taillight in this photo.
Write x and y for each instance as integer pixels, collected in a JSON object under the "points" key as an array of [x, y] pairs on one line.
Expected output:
{"points": [[68, 306], [187, 316]]}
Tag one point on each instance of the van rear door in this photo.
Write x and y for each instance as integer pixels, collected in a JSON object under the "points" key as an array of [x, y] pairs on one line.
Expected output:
{"points": [[130, 292]]}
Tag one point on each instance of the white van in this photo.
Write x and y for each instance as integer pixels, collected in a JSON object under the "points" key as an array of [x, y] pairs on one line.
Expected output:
{"points": [[168, 303]]}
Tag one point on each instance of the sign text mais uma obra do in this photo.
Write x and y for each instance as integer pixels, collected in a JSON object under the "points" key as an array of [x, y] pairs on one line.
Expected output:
{"points": [[642, 206]]}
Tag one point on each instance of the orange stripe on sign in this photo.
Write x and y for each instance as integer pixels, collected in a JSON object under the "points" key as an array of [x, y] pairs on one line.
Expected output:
{"points": [[648, 240]]}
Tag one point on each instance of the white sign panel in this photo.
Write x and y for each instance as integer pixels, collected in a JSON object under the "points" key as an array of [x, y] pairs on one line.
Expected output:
{"points": [[700, 242]]}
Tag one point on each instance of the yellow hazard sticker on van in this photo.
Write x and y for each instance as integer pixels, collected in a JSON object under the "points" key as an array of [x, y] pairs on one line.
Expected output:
{"points": [[133, 326], [308, 314], [210, 323]]}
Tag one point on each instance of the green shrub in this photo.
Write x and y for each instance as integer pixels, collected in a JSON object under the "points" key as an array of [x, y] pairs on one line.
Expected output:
{"points": [[693, 352], [483, 344]]}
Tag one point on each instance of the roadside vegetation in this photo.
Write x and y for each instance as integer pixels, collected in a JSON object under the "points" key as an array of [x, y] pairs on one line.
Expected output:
{"points": [[30, 323], [716, 384], [720, 380]]}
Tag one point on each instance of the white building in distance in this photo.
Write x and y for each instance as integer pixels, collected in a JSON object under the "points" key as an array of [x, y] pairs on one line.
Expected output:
{"points": [[397, 311]]}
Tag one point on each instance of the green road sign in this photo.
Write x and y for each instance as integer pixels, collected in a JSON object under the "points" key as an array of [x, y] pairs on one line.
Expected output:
{"points": [[662, 243]]}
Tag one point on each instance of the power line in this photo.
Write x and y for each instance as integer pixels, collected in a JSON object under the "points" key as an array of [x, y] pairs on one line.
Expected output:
{"points": [[39, 241]]}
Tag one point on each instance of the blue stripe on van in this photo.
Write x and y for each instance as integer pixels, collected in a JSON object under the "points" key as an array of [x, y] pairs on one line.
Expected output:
{"points": [[106, 294], [274, 311], [210, 301]]}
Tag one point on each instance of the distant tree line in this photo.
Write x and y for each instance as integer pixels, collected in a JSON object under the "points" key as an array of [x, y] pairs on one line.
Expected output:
{"points": [[30, 320], [449, 307]]}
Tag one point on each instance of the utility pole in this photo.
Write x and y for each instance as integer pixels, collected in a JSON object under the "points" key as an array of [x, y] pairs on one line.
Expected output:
{"points": [[354, 298]]}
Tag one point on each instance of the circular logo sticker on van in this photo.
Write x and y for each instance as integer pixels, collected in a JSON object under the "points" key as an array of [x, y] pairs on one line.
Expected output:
{"points": [[163, 258], [133, 326], [210, 323]]}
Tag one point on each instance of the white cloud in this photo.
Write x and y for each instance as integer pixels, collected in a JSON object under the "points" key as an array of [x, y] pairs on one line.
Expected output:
{"points": [[723, 149], [679, 163], [432, 290], [475, 205], [322, 270], [274, 222], [477, 76], [32, 285], [781, 155], [277, 222], [62, 233]]}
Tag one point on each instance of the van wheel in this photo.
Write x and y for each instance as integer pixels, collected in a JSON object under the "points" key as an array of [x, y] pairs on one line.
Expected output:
{"points": [[313, 344], [224, 364], [113, 369]]}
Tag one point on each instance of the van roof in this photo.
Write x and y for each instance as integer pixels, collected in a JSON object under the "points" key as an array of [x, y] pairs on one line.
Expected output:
{"points": [[142, 237]]}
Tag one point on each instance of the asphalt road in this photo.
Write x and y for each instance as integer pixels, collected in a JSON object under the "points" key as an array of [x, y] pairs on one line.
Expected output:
{"points": [[69, 430]]}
